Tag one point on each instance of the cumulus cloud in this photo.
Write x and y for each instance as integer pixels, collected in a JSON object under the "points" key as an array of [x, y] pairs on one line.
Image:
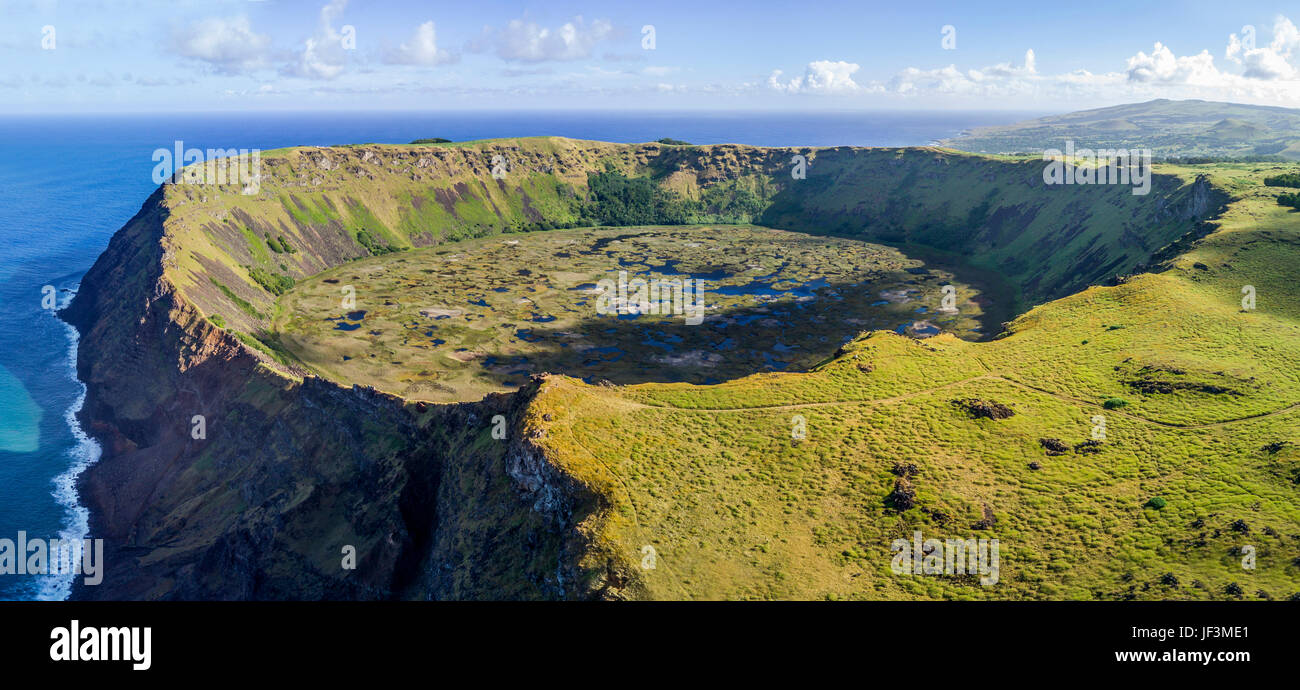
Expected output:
{"points": [[227, 45], [525, 41], [1006, 70], [323, 56], [421, 49], [1270, 62], [1258, 73], [820, 77], [829, 77], [1163, 67], [1267, 73]]}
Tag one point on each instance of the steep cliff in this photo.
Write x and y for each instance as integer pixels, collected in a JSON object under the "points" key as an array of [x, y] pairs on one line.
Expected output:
{"points": [[291, 469]]}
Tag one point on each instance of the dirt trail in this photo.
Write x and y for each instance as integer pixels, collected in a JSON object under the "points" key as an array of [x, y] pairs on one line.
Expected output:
{"points": [[984, 377]]}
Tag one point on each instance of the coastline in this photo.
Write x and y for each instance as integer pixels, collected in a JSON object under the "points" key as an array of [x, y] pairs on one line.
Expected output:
{"points": [[425, 493], [82, 455]]}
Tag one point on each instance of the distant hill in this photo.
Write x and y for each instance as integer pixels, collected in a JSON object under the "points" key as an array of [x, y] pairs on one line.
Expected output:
{"points": [[1189, 128]]}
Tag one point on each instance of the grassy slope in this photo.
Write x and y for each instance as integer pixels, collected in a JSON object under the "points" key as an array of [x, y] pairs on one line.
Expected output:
{"points": [[1046, 241], [710, 477], [319, 200]]}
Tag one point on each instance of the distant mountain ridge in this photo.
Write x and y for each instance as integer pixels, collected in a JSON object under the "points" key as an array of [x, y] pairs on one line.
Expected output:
{"points": [[1182, 129]]}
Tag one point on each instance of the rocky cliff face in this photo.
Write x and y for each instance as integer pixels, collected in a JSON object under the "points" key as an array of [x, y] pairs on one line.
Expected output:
{"points": [[288, 472], [292, 473]]}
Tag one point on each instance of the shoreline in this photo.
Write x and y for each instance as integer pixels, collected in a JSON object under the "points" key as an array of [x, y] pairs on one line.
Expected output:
{"points": [[85, 452]]}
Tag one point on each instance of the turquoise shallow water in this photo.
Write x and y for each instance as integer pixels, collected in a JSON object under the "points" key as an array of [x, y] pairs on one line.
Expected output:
{"points": [[67, 183]]}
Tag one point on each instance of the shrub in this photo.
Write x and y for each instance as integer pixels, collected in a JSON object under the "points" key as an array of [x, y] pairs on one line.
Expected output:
{"points": [[280, 245], [1089, 447], [1114, 403], [902, 497], [984, 408], [1157, 503], [273, 283], [1283, 180], [372, 243], [1054, 446]]}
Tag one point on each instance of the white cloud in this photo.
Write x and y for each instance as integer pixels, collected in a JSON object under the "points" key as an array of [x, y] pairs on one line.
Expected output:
{"points": [[1286, 37], [228, 45], [421, 49], [820, 77], [323, 56], [1267, 73], [1271, 62], [1264, 74], [1006, 70], [997, 80], [837, 78], [1163, 67], [524, 41]]}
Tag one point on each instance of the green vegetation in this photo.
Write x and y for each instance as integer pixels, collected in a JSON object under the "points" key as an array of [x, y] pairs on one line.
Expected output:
{"points": [[457, 321], [1292, 200], [372, 244], [1284, 180], [673, 142], [1118, 297], [305, 212], [279, 245], [243, 304], [1197, 432], [616, 199], [1179, 132], [619, 200], [268, 345], [434, 140], [273, 283]]}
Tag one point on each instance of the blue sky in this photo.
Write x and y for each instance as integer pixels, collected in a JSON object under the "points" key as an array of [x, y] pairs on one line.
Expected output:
{"points": [[212, 55]]}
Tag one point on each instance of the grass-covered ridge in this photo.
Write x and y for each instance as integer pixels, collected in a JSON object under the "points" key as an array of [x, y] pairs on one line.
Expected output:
{"points": [[1209, 424], [711, 477], [320, 207]]}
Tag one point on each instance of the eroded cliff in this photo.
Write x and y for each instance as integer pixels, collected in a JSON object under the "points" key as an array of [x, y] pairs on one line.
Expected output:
{"points": [[292, 469]]}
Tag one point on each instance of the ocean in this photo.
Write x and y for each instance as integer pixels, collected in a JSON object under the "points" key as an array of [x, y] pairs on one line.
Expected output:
{"points": [[67, 183]]}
